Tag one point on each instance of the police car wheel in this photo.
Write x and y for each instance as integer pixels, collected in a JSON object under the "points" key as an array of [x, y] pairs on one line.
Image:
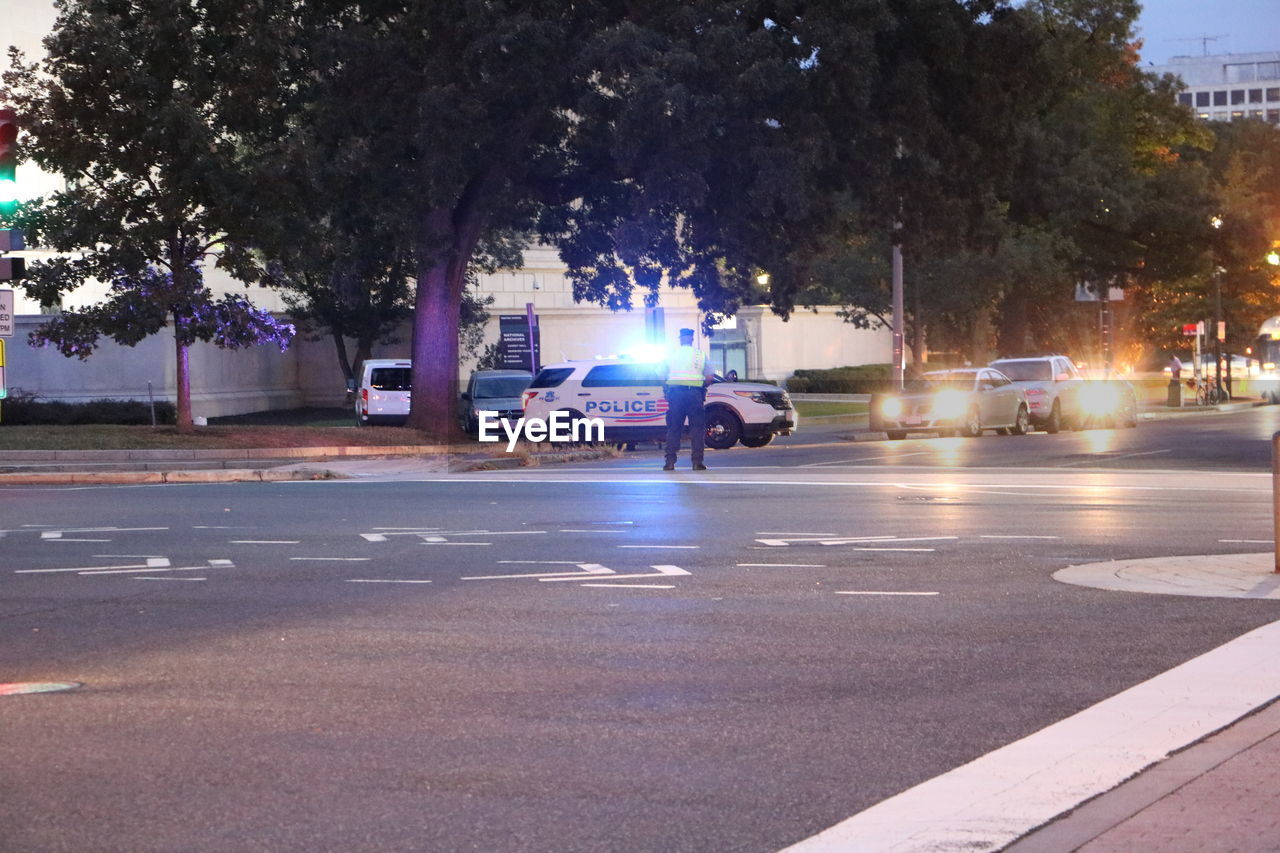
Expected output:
{"points": [[723, 429], [758, 441]]}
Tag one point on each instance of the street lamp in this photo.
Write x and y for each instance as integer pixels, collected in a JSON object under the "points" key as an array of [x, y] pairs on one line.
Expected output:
{"points": [[1216, 222]]}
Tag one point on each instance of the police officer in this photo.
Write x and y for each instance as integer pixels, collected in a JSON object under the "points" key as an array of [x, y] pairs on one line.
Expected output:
{"points": [[688, 375]]}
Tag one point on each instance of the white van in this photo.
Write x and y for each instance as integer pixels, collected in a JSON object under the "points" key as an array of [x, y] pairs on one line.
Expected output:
{"points": [[382, 393], [627, 396]]}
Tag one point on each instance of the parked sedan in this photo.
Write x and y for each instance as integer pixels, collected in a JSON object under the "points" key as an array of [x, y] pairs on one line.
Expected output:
{"points": [[492, 391], [964, 401]]}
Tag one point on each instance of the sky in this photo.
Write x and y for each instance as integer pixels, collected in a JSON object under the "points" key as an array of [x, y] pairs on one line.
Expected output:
{"points": [[1171, 28]]}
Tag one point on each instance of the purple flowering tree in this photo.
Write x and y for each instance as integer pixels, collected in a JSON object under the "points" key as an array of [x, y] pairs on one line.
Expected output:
{"points": [[135, 111], [140, 305]]}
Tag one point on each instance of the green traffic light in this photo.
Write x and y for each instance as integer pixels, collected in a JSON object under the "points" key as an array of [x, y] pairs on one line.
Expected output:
{"points": [[8, 190]]}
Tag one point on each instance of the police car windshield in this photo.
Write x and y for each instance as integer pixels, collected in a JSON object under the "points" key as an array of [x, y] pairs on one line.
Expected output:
{"points": [[494, 387]]}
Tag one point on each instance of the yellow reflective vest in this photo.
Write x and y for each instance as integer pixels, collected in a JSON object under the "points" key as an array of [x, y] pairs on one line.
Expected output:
{"points": [[685, 366]]}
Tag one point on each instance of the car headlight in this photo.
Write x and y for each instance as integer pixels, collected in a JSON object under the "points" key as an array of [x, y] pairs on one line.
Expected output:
{"points": [[753, 396], [1099, 399], [891, 407], [950, 403]]}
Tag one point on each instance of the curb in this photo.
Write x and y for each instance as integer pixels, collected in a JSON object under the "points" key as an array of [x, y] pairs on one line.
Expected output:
{"points": [[316, 471]]}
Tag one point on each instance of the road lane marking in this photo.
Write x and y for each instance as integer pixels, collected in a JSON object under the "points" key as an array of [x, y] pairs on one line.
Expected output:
{"points": [[541, 480], [583, 569], [151, 563], [777, 533], [867, 459], [659, 570], [161, 565], [384, 580], [1248, 541], [1102, 457], [986, 804], [878, 592], [631, 585], [168, 579]]}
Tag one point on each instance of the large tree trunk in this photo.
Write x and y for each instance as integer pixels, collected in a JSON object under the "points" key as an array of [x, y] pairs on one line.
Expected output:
{"points": [[182, 376], [447, 242]]}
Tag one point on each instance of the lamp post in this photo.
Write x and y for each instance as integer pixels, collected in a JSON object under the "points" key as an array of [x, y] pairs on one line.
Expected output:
{"points": [[1217, 308]]}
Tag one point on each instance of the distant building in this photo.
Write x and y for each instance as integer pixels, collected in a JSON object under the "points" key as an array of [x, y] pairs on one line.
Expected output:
{"points": [[1229, 86]]}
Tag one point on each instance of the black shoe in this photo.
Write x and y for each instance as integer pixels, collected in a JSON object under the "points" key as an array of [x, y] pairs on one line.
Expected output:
{"points": [[670, 466], [699, 467]]}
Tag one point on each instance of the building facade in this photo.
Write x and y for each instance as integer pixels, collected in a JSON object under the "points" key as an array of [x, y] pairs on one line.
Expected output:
{"points": [[1229, 86]]}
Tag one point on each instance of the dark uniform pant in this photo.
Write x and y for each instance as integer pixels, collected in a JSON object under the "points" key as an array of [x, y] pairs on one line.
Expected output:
{"points": [[684, 403]]}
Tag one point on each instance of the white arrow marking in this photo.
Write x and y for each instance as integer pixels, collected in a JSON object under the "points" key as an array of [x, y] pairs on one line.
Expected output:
{"points": [[660, 570], [210, 564], [585, 568], [151, 563]]}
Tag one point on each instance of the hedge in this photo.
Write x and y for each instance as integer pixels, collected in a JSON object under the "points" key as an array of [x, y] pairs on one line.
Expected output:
{"points": [[857, 379], [29, 410]]}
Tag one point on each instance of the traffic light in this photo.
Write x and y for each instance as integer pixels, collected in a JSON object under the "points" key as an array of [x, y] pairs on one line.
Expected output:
{"points": [[8, 161]]}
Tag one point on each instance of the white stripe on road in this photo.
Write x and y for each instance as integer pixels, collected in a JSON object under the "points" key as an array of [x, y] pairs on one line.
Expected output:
{"points": [[632, 585], [687, 547], [381, 580], [1104, 457], [170, 579], [878, 592], [542, 480], [987, 803]]}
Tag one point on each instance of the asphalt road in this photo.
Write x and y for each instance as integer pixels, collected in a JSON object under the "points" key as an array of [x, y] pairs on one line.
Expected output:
{"points": [[725, 661], [1235, 441]]}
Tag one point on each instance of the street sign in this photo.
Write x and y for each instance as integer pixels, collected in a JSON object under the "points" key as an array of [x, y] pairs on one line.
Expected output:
{"points": [[6, 313], [1189, 330]]}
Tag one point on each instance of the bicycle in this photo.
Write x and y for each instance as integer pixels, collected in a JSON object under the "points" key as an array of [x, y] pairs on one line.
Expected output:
{"points": [[1209, 392]]}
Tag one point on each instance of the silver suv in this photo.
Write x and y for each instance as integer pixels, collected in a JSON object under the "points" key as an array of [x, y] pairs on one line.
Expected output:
{"points": [[1052, 385]]}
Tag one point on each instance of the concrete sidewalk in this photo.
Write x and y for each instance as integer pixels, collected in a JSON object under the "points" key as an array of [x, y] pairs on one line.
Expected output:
{"points": [[1220, 794]]}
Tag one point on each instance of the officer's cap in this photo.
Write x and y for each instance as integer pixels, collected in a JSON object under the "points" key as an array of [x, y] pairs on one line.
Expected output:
{"points": [[686, 333]]}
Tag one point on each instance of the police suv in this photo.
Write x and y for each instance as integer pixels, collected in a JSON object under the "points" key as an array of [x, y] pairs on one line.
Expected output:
{"points": [[627, 396]]}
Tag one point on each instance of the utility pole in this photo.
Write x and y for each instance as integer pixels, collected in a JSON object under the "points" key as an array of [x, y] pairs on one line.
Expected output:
{"points": [[897, 321]]}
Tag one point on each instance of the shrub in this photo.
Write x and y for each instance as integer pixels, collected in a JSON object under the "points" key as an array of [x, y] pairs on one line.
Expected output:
{"points": [[856, 379], [23, 409]]}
